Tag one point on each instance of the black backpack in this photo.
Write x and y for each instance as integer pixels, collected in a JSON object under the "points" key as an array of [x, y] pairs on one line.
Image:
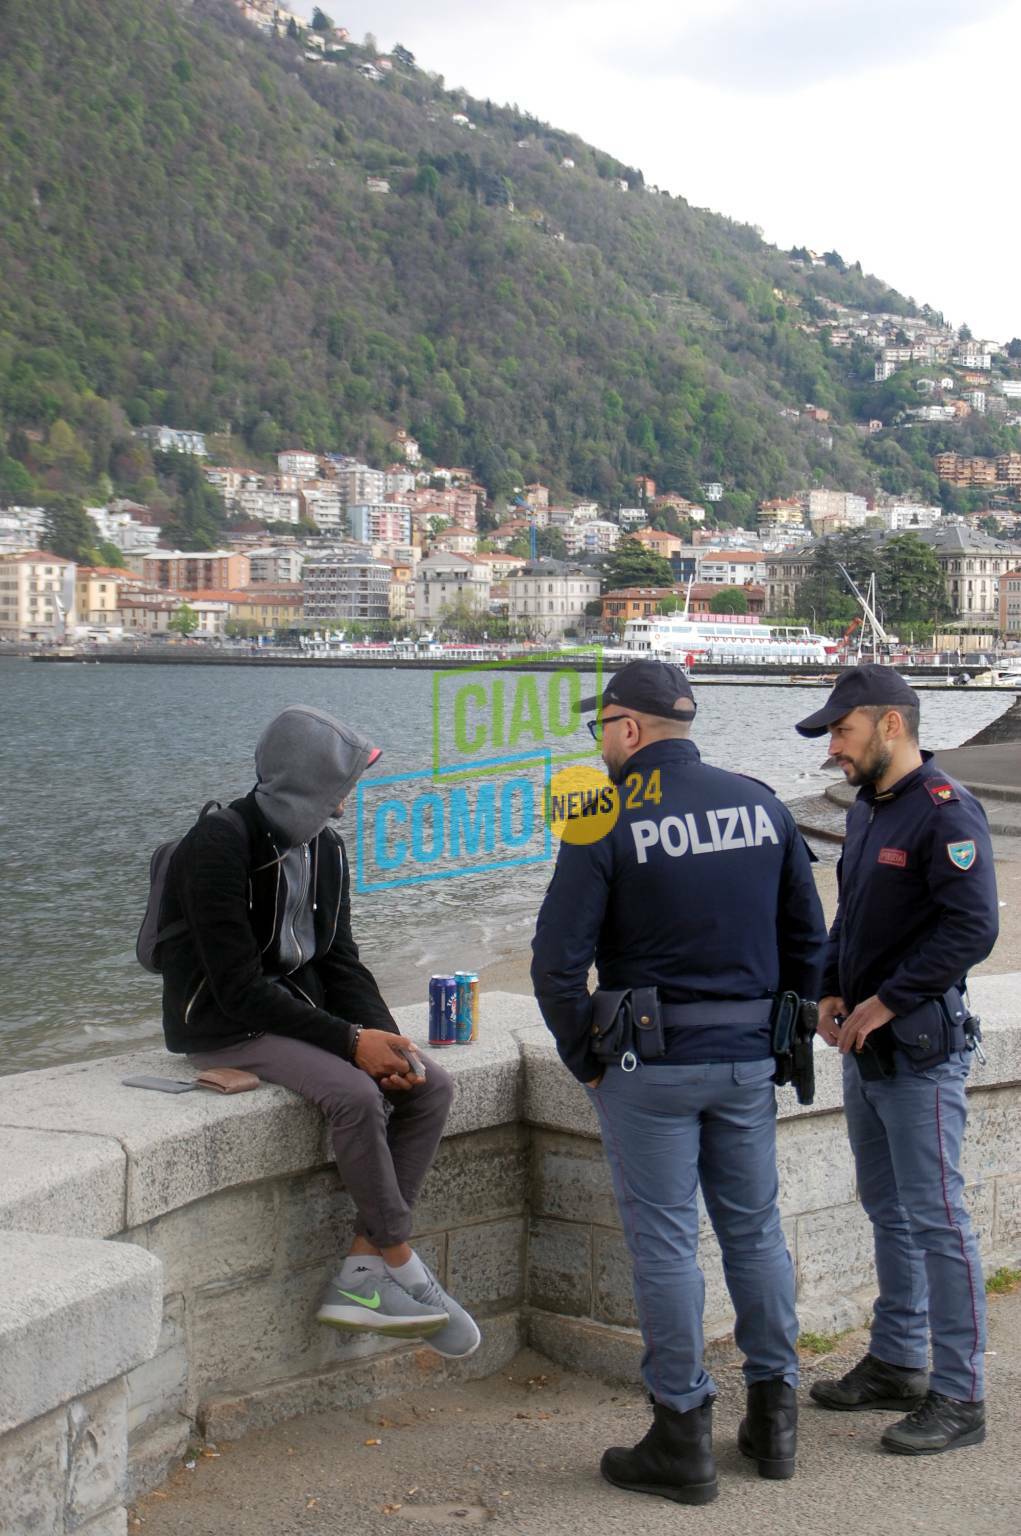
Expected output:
{"points": [[153, 931]]}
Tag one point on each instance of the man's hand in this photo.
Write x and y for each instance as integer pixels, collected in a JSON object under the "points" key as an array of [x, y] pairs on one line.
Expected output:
{"points": [[381, 1055], [830, 1008], [594, 1083], [869, 1015]]}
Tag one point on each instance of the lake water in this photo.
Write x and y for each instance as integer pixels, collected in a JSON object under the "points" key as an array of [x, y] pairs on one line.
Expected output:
{"points": [[98, 764]]}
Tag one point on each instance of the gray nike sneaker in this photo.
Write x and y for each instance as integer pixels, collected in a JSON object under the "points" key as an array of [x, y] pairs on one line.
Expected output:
{"points": [[375, 1303], [461, 1336]]}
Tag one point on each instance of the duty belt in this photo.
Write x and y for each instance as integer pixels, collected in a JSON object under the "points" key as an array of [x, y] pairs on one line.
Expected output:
{"points": [[756, 1010]]}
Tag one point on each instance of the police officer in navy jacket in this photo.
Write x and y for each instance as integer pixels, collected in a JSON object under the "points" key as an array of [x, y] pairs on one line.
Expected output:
{"points": [[702, 888], [917, 909]]}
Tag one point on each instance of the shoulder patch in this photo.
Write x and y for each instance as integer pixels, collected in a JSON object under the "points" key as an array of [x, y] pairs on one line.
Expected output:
{"points": [[940, 792], [962, 855]]}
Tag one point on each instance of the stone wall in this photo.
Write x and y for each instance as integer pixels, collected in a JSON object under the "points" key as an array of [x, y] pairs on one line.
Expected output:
{"points": [[161, 1257]]}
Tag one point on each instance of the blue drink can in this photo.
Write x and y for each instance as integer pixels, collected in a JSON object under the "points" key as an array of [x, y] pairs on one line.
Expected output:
{"points": [[442, 1010], [464, 1007]]}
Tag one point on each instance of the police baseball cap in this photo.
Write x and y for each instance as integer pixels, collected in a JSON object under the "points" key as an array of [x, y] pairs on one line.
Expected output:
{"points": [[650, 687], [858, 688]]}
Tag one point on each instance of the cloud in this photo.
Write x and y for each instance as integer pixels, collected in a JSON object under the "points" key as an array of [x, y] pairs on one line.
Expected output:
{"points": [[792, 44]]}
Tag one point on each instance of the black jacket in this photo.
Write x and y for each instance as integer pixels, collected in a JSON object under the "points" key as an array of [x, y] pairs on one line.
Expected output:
{"points": [[703, 889], [226, 885], [917, 892]]}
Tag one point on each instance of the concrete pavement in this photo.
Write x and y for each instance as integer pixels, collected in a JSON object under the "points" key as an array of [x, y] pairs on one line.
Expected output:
{"points": [[519, 1452]]}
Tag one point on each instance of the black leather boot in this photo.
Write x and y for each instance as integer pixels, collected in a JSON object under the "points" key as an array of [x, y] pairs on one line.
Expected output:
{"points": [[769, 1430], [872, 1384], [940, 1424], [675, 1459]]}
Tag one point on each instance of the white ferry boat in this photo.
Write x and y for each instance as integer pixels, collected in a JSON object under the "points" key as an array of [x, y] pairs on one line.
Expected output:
{"points": [[724, 638]]}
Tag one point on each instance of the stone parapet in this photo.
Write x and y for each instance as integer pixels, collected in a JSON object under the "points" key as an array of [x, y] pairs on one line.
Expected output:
{"points": [[224, 1217]]}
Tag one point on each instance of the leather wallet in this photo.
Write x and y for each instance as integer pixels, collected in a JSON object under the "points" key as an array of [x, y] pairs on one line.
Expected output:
{"points": [[227, 1080]]}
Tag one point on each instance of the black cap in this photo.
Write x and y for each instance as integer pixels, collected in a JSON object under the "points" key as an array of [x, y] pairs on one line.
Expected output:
{"points": [[858, 688], [651, 687]]}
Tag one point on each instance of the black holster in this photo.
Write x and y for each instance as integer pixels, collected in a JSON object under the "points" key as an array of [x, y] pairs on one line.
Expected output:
{"points": [[794, 1021]]}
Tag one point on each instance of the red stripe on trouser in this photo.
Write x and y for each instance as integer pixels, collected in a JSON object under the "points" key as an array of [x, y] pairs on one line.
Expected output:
{"points": [[960, 1238], [629, 1211]]}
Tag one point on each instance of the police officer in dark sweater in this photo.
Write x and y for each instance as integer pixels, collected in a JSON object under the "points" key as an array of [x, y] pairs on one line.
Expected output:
{"points": [[917, 909], [703, 889]]}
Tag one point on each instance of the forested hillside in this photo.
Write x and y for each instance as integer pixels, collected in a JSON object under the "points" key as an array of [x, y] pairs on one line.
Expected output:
{"points": [[187, 236]]}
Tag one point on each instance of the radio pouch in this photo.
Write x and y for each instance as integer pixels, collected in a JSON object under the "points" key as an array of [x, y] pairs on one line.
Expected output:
{"points": [[930, 1033], [627, 1024]]}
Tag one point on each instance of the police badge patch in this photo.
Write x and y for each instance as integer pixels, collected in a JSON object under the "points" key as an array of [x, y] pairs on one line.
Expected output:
{"points": [[962, 855]]}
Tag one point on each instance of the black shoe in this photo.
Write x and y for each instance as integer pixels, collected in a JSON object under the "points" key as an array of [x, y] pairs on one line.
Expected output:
{"points": [[872, 1384], [769, 1431], [675, 1459], [940, 1424]]}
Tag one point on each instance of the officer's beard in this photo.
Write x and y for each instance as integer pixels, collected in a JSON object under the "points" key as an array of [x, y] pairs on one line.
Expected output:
{"points": [[872, 765]]}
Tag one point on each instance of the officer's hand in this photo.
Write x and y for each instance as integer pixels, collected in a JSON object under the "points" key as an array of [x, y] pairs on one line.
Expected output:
{"points": [[595, 1081], [869, 1015], [830, 1008], [381, 1055]]}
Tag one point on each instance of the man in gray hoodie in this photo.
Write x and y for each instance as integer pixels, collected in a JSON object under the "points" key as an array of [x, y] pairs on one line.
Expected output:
{"points": [[260, 971]]}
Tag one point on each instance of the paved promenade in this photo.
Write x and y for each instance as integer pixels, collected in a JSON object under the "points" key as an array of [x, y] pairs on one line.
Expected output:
{"points": [[519, 1452]]}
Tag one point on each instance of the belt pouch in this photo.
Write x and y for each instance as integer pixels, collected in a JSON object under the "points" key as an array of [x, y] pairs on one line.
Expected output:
{"points": [[929, 1033], [610, 1025], [648, 1023]]}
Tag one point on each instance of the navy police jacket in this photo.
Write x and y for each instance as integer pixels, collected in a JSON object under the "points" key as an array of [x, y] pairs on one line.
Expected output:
{"points": [[917, 892], [703, 888]]}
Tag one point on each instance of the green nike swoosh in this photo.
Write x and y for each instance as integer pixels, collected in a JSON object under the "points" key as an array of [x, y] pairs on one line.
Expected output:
{"points": [[372, 1302]]}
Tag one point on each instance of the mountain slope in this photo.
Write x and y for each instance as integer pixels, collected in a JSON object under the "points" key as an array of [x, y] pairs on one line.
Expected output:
{"points": [[186, 230]]}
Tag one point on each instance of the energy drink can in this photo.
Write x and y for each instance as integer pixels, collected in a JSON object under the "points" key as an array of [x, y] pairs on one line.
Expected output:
{"points": [[442, 1010], [467, 1007]]}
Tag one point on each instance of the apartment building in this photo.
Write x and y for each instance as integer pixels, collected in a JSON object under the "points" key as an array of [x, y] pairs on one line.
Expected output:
{"points": [[177, 570], [380, 522], [346, 584], [444, 581], [296, 462], [550, 596], [1010, 605], [732, 567], [36, 596]]}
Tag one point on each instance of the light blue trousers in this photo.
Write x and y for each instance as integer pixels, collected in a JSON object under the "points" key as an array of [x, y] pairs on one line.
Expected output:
{"points": [[666, 1130], [906, 1134]]}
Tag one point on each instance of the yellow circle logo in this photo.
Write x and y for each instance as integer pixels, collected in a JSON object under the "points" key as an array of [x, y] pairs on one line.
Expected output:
{"points": [[582, 805]]}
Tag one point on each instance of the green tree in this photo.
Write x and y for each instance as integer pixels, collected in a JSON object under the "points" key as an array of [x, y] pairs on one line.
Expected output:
{"points": [[729, 600], [632, 565], [69, 531], [17, 487], [910, 582], [1014, 348], [184, 621], [110, 555], [321, 22], [549, 545]]}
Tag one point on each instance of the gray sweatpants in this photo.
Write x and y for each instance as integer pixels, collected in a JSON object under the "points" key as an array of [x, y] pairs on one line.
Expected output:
{"points": [[384, 1143]]}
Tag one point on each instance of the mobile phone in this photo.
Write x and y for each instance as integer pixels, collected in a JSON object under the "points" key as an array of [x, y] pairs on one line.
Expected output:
{"points": [[161, 1084]]}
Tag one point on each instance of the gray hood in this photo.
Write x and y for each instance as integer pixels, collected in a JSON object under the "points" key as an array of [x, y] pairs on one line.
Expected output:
{"points": [[306, 763]]}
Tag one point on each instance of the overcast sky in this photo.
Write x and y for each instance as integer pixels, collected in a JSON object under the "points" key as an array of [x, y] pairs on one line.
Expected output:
{"points": [[888, 130]]}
